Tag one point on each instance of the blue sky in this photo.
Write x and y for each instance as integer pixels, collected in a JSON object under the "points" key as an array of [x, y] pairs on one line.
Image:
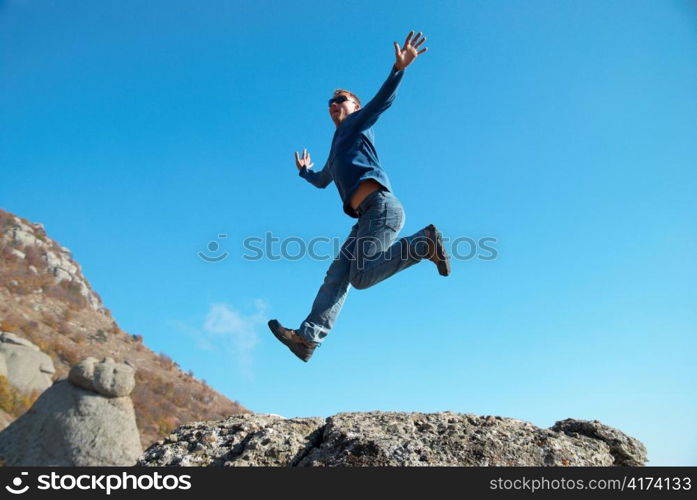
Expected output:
{"points": [[138, 132]]}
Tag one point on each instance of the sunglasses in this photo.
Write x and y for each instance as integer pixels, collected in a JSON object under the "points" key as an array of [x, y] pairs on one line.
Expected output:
{"points": [[339, 99]]}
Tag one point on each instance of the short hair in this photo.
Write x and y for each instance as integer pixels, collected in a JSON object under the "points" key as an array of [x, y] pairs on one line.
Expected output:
{"points": [[351, 94]]}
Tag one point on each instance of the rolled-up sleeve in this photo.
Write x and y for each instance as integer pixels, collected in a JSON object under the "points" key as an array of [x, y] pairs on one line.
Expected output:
{"points": [[319, 179]]}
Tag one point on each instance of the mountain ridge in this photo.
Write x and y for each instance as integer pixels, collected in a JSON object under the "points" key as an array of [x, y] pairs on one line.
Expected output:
{"points": [[45, 298]]}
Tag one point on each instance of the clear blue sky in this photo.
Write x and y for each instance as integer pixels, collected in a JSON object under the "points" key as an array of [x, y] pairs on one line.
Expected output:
{"points": [[137, 132]]}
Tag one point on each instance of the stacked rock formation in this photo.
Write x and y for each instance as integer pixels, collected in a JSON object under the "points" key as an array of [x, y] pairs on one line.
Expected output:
{"points": [[85, 420]]}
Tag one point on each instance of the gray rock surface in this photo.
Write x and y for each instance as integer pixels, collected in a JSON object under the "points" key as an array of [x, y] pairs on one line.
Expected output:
{"points": [[393, 439], [74, 426], [626, 450], [106, 377], [25, 366], [264, 440]]}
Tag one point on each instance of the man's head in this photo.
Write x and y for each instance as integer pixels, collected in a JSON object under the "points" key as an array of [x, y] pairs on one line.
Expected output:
{"points": [[342, 104]]}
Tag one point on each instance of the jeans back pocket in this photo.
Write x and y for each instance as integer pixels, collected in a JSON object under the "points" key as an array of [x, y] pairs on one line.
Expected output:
{"points": [[394, 215]]}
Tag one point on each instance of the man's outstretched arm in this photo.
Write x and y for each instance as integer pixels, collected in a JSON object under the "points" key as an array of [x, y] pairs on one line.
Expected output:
{"points": [[404, 56], [320, 179]]}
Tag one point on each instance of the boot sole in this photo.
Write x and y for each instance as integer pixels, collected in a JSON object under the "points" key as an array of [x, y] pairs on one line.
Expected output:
{"points": [[443, 263], [299, 350]]}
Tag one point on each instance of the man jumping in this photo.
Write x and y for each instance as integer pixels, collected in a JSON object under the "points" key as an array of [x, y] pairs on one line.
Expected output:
{"points": [[370, 253]]}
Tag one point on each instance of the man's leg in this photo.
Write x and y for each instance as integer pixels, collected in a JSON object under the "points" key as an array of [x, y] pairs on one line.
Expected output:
{"points": [[332, 293], [378, 255]]}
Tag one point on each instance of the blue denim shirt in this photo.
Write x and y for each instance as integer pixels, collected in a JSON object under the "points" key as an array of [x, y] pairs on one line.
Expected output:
{"points": [[352, 157]]}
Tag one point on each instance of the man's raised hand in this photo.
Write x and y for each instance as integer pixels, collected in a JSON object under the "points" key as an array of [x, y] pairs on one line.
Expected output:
{"points": [[305, 161], [406, 55]]}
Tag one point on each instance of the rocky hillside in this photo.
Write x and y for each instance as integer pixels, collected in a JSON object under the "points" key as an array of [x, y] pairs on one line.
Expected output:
{"points": [[394, 439], [45, 298]]}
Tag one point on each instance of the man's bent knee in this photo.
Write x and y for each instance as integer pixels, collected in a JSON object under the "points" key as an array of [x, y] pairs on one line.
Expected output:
{"points": [[358, 281]]}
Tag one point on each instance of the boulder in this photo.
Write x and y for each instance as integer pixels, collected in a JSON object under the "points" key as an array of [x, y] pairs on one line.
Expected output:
{"points": [[394, 439], [25, 366], [107, 377], [254, 440]]}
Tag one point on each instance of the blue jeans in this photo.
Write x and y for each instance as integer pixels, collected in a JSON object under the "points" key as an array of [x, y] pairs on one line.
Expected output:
{"points": [[369, 255]]}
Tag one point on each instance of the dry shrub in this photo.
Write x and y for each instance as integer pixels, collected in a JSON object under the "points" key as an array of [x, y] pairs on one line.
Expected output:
{"points": [[29, 327], [165, 425], [12, 401], [99, 336], [6, 219], [77, 337], [69, 293], [71, 356], [51, 322], [167, 362], [8, 325], [20, 281], [34, 257], [7, 256], [63, 328]]}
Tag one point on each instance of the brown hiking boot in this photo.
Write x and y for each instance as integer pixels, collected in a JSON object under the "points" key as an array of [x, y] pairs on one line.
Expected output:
{"points": [[298, 345], [436, 252]]}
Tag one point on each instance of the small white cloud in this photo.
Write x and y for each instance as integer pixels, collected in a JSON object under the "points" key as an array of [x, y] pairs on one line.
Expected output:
{"points": [[226, 328]]}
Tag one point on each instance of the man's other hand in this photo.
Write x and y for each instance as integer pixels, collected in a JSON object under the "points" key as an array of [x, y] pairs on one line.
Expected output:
{"points": [[406, 55], [305, 161]]}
